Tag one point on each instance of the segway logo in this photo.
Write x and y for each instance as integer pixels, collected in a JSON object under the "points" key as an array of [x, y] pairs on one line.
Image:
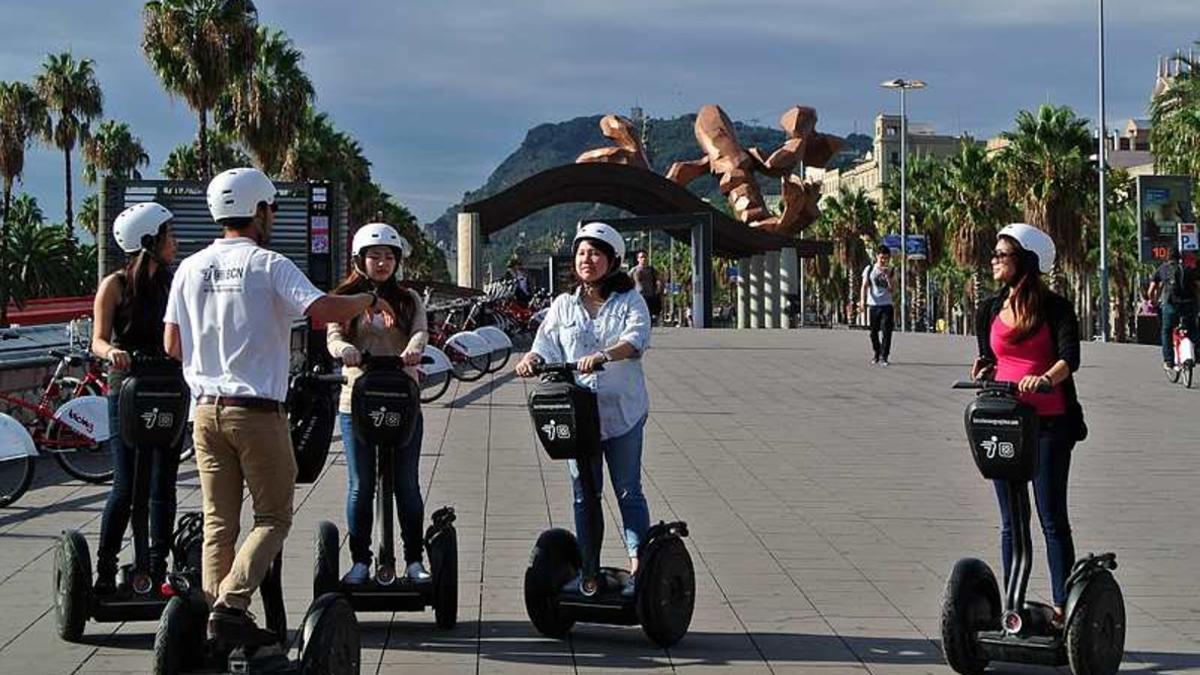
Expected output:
{"points": [[383, 418], [556, 432], [994, 446], [154, 418]]}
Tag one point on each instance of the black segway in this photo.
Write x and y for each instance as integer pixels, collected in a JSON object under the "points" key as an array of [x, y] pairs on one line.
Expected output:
{"points": [[978, 626], [385, 404], [566, 421], [154, 411], [327, 642]]}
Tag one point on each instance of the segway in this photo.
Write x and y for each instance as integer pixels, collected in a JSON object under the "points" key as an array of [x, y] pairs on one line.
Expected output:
{"points": [[978, 626], [327, 643], [384, 406], [566, 421], [154, 403]]}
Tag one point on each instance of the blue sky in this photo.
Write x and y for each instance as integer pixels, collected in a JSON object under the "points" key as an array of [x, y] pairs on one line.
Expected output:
{"points": [[439, 93]]}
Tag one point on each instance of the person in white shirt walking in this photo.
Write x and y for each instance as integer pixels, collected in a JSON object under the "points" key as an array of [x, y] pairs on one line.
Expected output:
{"points": [[228, 319], [604, 322], [876, 296]]}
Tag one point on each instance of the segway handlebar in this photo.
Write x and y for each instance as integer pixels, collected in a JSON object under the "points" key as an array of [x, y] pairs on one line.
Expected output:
{"points": [[371, 361], [564, 368], [998, 386]]}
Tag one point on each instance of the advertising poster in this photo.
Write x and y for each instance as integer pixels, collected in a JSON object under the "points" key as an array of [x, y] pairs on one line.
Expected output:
{"points": [[1163, 202]]}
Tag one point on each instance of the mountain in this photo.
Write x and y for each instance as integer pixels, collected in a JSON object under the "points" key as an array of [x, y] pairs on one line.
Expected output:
{"points": [[550, 145]]}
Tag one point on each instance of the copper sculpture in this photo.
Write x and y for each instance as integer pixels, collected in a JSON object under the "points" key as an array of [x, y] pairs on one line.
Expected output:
{"points": [[629, 147]]}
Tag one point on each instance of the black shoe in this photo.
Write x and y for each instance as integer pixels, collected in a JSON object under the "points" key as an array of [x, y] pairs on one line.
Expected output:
{"points": [[236, 628], [105, 584]]}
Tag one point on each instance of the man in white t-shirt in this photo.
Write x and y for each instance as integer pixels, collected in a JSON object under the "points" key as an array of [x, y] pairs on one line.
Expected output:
{"points": [[228, 319], [877, 302]]}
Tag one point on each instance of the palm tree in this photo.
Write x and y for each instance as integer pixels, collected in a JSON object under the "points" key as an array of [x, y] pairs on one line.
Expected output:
{"points": [[23, 118], [89, 213], [113, 151], [197, 48], [71, 91], [851, 219], [1175, 112], [264, 107], [977, 203], [42, 259], [183, 163], [1047, 173], [926, 210]]}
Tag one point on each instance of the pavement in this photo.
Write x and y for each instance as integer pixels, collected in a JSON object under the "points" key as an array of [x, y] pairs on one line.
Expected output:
{"points": [[827, 501]]}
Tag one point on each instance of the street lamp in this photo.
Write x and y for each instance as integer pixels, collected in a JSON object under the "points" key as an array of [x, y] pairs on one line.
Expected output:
{"points": [[903, 86], [1103, 207]]}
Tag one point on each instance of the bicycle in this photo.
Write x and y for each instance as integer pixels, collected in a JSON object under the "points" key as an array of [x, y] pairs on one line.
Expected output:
{"points": [[1185, 356], [69, 421], [469, 354]]}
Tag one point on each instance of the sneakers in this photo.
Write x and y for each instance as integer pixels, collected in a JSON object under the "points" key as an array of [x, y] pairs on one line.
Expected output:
{"points": [[105, 584], [875, 361], [236, 627], [359, 574], [416, 572], [883, 363]]}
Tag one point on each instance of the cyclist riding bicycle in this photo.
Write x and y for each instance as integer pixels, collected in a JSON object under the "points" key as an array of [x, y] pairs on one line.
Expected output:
{"points": [[1176, 287], [229, 318], [129, 307]]}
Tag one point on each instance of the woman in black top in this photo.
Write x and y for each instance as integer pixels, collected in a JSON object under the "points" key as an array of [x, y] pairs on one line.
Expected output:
{"points": [[128, 311]]}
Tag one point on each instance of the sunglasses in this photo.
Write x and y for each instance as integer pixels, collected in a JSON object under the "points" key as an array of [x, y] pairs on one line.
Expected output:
{"points": [[1001, 255], [274, 206]]}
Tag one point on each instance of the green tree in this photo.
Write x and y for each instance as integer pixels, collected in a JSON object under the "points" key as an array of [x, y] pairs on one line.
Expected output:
{"points": [[976, 204], [1175, 112], [851, 219], [1048, 175], [113, 151], [72, 93], [23, 118], [264, 107], [89, 213], [197, 48], [43, 260], [183, 162]]}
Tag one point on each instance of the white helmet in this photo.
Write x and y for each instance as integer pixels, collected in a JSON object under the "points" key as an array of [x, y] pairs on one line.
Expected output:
{"points": [[137, 222], [605, 233], [1033, 240], [379, 234], [236, 193]]}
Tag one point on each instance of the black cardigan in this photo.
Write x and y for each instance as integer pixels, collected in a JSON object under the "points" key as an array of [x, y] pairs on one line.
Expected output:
{"points": [[1064, 334]]}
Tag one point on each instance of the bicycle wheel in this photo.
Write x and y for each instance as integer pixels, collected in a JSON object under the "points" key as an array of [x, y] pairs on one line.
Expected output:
{"points": [[432, 388], [91, 463], [469, 368], [15, 476], [1172, 374]]}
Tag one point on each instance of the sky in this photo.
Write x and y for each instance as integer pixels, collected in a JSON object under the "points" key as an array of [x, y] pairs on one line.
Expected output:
{"points": [[439, 93]]}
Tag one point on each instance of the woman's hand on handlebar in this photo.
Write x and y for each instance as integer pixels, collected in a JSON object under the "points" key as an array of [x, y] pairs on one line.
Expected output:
{"points": [[119, 358], [591, 362], [351, 356], [525, 366], [982, 369], [1032, 383], [411, 357]]}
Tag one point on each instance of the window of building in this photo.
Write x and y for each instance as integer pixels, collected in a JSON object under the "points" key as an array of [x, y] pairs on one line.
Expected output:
{"points": [[1141, 145], [895, 158]]}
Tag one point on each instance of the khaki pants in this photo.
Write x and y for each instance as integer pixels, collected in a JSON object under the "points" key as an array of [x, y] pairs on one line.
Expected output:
{"points": [[232, 445]]}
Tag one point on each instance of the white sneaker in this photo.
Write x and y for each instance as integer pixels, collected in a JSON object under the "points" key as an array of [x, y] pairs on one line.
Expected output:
{"points": [[416, 572], [358, 574]]}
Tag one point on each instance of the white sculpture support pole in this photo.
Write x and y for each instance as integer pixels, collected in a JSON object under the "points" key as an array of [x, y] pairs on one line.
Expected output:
{"points": [[470, 250], [789, 284], [743, 293], [756, 291], [771, 290]]}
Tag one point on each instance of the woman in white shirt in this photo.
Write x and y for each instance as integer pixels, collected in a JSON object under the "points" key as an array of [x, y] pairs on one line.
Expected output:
{"points": [[605, 321]]}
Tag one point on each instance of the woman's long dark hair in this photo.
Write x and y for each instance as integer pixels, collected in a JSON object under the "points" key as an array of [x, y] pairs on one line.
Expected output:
{"points": [[144, 290], [616, 281], [396, 295], [1028, 295]]}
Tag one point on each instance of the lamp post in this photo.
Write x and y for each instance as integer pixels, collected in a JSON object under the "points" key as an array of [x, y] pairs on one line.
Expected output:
{"points": [[1103, 165], [903, 86]]}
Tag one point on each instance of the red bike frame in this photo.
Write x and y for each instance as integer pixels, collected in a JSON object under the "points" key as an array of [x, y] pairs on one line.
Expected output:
{"points": [[44, 409]]}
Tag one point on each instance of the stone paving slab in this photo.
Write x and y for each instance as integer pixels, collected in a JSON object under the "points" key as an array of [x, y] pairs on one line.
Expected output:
{"points": [[827, 501]]}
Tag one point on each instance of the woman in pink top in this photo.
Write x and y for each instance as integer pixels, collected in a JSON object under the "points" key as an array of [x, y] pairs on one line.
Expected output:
{"points": [[1028, 334]]}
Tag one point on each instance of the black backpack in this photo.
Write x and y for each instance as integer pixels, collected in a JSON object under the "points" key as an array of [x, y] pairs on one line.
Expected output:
{"points": [[1176, 289]]}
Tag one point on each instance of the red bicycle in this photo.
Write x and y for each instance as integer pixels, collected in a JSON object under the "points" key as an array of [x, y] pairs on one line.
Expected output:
{"points": [[69, 420]]}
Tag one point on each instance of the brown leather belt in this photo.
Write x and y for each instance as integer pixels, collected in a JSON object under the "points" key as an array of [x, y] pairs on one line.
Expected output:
{"points": [[248, 402]]}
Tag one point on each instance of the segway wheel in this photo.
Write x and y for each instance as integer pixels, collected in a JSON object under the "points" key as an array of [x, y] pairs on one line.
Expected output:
{"points": [[325, 561], [555, 561], [329, 638], [1096, 632], [72, 585], [179, 640], [443, 559], [666, 592], [971, 603]]}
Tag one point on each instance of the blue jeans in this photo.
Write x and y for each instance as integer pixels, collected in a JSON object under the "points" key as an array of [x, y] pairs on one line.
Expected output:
{"points": [[360, 497], [624, 457], [153, 511], [1050, 492], [1170, 315]]}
